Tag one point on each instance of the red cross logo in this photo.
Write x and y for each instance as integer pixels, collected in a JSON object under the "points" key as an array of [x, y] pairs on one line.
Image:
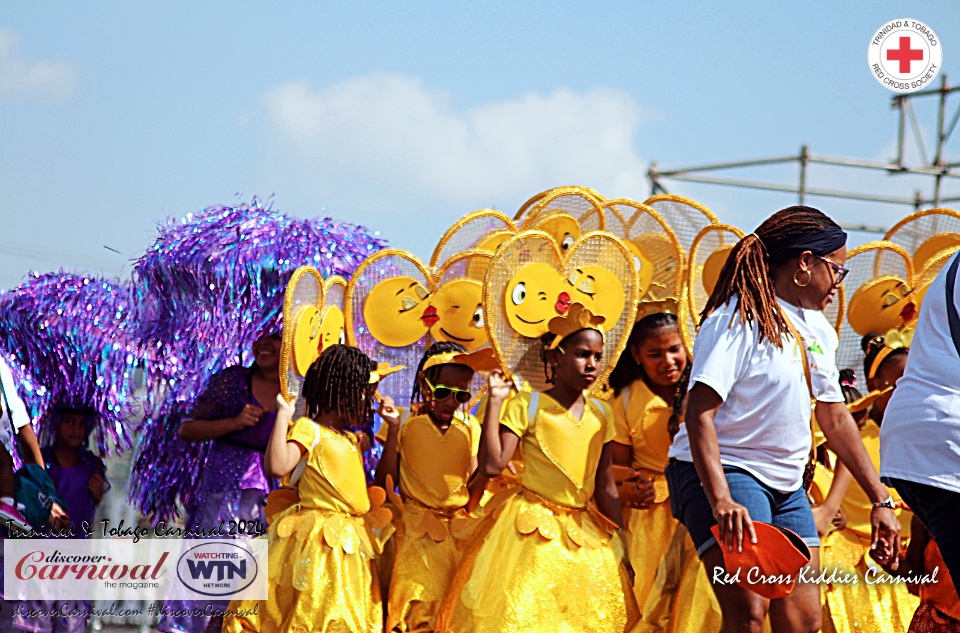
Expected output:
{"points": [[905, 55]]}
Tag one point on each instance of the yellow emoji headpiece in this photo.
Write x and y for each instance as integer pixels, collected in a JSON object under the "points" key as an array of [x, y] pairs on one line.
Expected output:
{"points": [[565, 213], [312, 321], [484, 230], [926, 233], [879, 298], [577, 318], [481, 360], [892, 340], [530, 281]]}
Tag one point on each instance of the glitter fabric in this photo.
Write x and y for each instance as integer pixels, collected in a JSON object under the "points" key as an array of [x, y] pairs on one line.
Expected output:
{"points": [[322, 575], [209, 286], [69, 342]]}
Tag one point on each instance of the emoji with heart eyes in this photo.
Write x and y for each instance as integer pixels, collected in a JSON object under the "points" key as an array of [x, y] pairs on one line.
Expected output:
{"points": [[458, 307], [535, 295], [882, 304]]}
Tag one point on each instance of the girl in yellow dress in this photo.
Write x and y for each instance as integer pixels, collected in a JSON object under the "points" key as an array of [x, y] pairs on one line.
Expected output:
{"points": [[543, 559], [431, 456], [649, 385], [321, 572]]}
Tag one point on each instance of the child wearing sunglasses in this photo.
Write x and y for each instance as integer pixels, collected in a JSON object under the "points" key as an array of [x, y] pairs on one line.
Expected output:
{"points": [[431, 455]]}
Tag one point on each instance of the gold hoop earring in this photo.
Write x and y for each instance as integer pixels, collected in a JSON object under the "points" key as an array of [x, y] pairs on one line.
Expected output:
{"points": [[797, 281]]}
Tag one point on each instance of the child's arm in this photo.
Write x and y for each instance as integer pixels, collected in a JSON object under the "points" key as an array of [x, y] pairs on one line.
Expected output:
{"points": [[825, 513], [635, 490], [29, 446], [389, 464], [97, 484], [281, 456], [497, 443], [605, 494], [203, 430]]}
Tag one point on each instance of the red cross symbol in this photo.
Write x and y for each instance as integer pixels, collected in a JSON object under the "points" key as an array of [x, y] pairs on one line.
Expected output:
{"points": [[905, 54]]}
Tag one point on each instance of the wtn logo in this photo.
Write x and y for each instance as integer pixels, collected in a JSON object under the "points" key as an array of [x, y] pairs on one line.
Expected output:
{"points": [[217, 568], [224, 569]]}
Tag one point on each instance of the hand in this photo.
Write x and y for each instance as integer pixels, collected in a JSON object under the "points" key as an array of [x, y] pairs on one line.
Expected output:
{"points": [[389, 413], [885, 534], [58, 519], [283, 407], [891, 566], [733, 518], [498, 386], [840, 520], [637, 492], [248, 417], [97, 486]]}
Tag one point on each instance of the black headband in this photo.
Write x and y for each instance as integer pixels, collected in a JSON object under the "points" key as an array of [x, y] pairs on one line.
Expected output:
{"points": [[823, 242]]}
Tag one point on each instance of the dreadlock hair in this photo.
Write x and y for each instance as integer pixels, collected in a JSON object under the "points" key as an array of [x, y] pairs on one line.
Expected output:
{"points": [[751, 264], [629, 370], [872, 345], [440, 347], [337, 381]]}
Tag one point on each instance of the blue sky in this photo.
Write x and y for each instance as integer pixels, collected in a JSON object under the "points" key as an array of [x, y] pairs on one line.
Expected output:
{"points": [[403, 116]]}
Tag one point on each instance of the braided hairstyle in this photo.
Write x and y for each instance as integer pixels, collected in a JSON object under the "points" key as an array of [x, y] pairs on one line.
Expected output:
{"points": [[440, 347], [338, 381], [848, 385], [750, 267], [628, 370], [872, 344], [549, 372]]}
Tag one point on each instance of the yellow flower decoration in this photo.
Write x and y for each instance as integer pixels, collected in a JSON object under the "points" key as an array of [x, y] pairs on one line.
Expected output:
{"points": [[577, 318], [536, 518], [898, 339]]}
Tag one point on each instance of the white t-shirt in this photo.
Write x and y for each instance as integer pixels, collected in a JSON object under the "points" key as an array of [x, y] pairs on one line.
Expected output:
{"points": [[763, 425], [15, 415], [920, 435]]}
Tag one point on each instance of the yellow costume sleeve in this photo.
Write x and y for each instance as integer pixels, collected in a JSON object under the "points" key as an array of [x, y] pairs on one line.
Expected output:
{"points": [[302, 432], [475, 430], [620, 424], [610, 426], [514, 414]]}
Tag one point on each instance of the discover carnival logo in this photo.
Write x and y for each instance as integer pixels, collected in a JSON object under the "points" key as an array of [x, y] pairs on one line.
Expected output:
{"points": [[905, 55], [217, 569]]}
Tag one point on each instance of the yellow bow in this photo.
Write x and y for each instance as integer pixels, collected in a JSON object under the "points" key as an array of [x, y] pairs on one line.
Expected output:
{"points": [[897, 339]]}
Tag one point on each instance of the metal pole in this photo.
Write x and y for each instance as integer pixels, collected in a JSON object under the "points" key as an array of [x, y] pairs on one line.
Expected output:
{"points": [[940, 118], [804, 155], [898, 103]]}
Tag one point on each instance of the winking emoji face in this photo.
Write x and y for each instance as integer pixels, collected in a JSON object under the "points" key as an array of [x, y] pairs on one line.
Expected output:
{"points": [[533, 296]]}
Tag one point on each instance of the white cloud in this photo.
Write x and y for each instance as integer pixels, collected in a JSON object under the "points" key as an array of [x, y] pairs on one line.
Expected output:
{"points": [[26, 78], [396, 138]]}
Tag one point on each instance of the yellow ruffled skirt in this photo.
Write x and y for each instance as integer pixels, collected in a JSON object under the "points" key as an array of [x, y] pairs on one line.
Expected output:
{"points": [[322, 577], [851, 604], [671, 586], [533, 566], [427, 547]]}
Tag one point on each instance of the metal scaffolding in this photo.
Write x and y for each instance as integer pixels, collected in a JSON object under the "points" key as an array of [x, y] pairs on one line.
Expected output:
{"points": [[936, 168]]}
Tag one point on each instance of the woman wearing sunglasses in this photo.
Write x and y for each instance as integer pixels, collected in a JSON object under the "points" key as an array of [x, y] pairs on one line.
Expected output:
{"points": [[431, 455]]}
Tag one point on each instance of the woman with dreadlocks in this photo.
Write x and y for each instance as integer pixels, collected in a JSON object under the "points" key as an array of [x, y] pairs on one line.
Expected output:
{"points": [[742, 452], [431, 455], [321, 571], [544, 559], [649, 385]]}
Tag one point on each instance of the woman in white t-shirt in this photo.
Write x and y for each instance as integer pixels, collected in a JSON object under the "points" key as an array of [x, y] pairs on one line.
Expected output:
{"points": [[742, 452], [920, 436]]}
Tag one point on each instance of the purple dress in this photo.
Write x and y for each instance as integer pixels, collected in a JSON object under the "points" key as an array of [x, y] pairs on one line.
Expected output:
{"points": [[72, 484], [233, 485]]}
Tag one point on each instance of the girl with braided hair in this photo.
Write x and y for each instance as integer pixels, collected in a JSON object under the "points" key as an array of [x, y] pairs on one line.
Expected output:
{"points": [[321, 571], [649, 385], [742, 452], [431, 455]]}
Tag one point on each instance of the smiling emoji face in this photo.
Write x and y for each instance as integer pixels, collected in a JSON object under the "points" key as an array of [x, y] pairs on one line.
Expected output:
{"points": [[307, 341], [533, 297], [396, 313], [599, 290], [881, 304], [458, 306], [332, 331]]}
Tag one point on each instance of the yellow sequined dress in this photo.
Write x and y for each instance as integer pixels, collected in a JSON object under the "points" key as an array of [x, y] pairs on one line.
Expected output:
{"points": [[543, 560], [866, 604], [431, 522], [321, 573], [671, 585]]}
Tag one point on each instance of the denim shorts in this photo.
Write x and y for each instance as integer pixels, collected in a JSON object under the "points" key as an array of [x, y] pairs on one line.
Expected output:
{"points": [[690, 506]]}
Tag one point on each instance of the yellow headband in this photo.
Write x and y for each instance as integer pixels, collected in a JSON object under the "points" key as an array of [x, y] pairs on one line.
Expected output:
{"points": [[382, 371], [861, 404], [480, 360], [894, 339], [577, 318]]}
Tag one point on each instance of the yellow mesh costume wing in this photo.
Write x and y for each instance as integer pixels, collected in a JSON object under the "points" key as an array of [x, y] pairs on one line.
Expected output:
{"points": [[530, 281], [484, 230], [529, 204], [925, 233], [686, 217], [562, 208], [879, 292], [933, 267], [708, 253]]}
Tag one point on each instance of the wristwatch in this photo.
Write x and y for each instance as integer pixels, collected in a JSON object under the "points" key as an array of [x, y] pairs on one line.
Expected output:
{"points": [[887, 503]]}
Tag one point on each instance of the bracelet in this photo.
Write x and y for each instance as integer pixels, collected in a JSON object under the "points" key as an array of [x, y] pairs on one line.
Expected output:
{"points": [[887, 503]]}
